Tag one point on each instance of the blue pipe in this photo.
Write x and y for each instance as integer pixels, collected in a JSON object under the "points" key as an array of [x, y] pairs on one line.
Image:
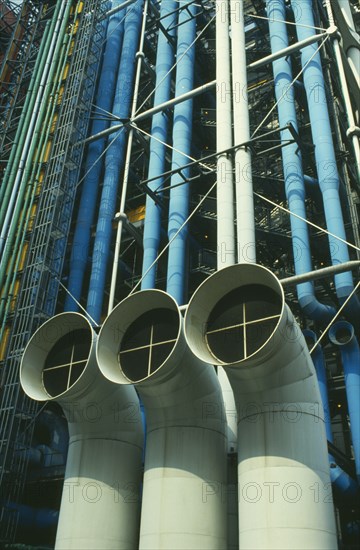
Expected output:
{"points": [[31, 518], [114, 161], [342, 334], [182, 134], [86, 213], [292, 165], [159, 130], [343, 485], [324, 151], [52, 431]]}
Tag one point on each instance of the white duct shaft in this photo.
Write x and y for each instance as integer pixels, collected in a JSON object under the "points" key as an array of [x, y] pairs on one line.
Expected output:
{"points": [[183, 504], [245, 214], [100, 506], [225, 180], [283, 472]]}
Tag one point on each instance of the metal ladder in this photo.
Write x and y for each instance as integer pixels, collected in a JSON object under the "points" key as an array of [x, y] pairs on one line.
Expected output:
{"points": [[40, 281]]}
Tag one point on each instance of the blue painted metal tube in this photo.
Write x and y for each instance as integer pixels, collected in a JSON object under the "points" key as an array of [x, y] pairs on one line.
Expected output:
{"points": [[88, 200], [32, 518], [343, 485], [324, 150], [114, 161], [159, 129], [292, 165], [182, 134], [342, 334]]}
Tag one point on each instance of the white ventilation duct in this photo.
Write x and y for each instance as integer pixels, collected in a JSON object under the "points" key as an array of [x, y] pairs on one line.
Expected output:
{"points": [[238, 319], [101, 495], [184, 505]]}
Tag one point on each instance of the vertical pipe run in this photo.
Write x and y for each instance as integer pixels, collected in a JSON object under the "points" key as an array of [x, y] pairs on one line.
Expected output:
{"points": [[182, 138], [121, 213], [11, 192], [353, 52], [93, 164], [344, 89], [114, 161], [224, 140], [159, 131], [342, 334], [343, 485], [245, 214], [292, 164], [324, 149], [238, 318], [184, 486]]}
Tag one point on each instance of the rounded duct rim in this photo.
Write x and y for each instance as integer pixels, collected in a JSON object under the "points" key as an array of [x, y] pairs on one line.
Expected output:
{"points": [[40, 347], [209, 296], [121, 321], [341, 333]]}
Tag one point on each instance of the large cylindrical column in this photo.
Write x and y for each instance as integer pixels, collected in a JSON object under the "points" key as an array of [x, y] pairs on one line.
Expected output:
{"points": [[101, 495], [238, 319], [184, 491]]}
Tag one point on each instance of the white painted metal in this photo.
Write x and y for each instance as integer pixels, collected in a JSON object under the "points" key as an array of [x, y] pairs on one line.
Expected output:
{"points": [[139, 60], [352, 129], [184, 490], [224, 140], [353, 53], [283, 472], [101, 495], [245, 214]]}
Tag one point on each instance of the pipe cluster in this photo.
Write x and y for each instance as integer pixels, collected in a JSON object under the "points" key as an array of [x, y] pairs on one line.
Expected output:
{"points": [[231, 397]]}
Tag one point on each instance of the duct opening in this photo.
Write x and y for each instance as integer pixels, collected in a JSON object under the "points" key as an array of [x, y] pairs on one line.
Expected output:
{"points": [[66, 361], [241, 322], [148, 342], [343, 335]]}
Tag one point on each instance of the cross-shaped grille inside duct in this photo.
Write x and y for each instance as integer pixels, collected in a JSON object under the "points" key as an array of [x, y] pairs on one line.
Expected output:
{"points": [[241, 322], [66, 361], [148, 342]]}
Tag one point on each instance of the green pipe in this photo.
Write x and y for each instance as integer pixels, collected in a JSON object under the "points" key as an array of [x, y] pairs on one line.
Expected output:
{"points": [[14, 260], [13, 167], [33, 143], [25, 114], [19, 205]]}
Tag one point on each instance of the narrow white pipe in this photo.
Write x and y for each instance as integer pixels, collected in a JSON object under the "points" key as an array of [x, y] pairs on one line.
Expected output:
{"points": [[184, 488], [353, 53], [30, 137], [345, 92], [225, 180], [101, 494], [226, 242], [290, 49], [238, 319], [245, 214], [115, 266]]}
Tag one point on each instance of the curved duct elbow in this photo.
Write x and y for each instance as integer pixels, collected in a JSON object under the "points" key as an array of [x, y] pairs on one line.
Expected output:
{"points": [[238, 319], [342, 334], [142, 343], [100, 501]]}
